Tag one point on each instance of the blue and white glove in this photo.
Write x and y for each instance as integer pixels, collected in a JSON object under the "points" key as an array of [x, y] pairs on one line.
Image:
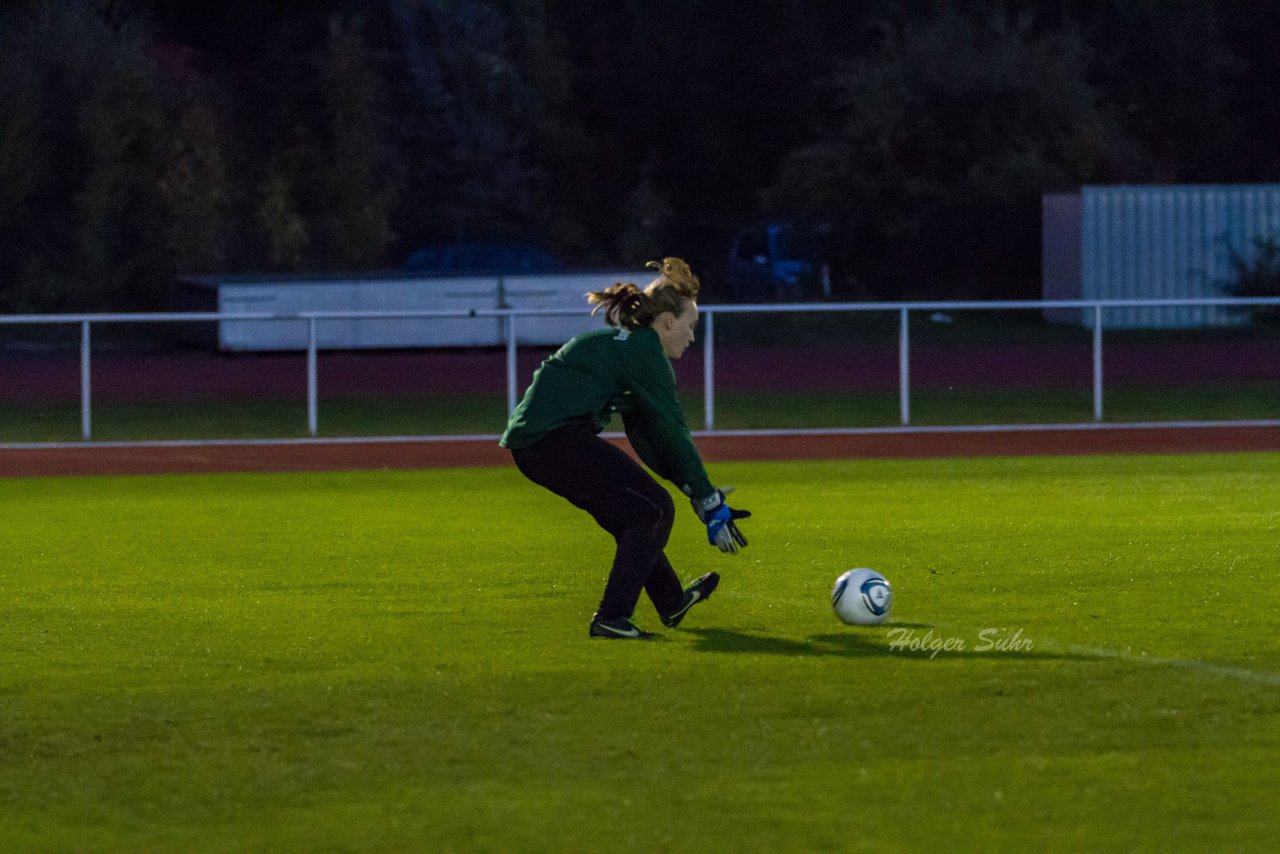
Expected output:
{"points": [[720, 520]]}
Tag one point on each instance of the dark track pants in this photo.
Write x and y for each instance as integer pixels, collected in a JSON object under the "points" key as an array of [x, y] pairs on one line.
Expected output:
{"points": [[624, 499]]}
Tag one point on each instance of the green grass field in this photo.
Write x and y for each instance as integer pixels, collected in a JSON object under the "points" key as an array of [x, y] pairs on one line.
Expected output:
{"points": [[486, 414], [398, 661]]}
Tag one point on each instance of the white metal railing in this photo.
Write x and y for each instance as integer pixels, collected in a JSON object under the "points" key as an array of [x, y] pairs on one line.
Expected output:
{"points": [[709, 313]]}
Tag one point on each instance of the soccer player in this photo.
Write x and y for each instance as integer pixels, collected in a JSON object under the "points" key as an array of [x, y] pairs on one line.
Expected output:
{"points": [[553, 436]]}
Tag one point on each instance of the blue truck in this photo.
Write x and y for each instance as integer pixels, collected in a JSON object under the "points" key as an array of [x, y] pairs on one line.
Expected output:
{"points": [[778, 262]]}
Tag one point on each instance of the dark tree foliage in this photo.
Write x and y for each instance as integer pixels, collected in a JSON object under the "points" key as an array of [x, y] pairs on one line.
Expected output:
{"points": [[142, 139], [945, 133]]}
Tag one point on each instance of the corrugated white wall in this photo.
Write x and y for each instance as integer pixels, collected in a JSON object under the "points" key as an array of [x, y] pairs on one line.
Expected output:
{"points": [[1171, 242]]}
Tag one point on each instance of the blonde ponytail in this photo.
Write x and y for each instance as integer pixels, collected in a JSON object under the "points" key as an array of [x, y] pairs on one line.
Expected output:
{"points": [[627, 307], [674, 274]]}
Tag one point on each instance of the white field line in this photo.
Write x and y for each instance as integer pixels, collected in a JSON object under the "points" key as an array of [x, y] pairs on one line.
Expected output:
{"points": [[1240, 674], [1206, 668]]}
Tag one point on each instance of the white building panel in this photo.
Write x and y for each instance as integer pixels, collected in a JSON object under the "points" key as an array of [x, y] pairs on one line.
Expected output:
{"points": [[1170, 242], [395, 293], [561, 291]]}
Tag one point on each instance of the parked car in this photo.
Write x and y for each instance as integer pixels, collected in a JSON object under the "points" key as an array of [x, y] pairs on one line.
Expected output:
{"points": [[483, 257], [777, 261]]}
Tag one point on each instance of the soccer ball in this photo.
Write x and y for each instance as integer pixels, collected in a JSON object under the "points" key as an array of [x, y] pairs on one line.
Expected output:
{"points": [[862, 597]]}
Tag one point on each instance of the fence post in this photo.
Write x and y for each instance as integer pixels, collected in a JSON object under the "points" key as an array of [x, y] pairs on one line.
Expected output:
{"points": [[1097, 362], [512, 389], [709, 371], [313, 406], [86, 411], [904, 368]]}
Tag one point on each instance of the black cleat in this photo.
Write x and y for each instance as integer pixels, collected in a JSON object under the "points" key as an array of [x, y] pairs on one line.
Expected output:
{"points": [[697, 591], [620, 628]]}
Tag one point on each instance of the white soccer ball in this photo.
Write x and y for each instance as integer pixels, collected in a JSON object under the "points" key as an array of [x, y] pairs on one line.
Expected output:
{"points": [[862, 597]]}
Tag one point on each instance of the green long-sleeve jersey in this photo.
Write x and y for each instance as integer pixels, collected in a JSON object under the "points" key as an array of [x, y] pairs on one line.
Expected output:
{"points": [[612, 371]]}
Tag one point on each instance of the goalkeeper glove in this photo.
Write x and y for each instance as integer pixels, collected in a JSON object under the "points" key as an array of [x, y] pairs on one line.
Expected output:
{"points": [[720, 519]]}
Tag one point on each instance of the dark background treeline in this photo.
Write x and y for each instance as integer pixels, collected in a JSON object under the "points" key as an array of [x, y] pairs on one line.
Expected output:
{"points": [[141, 139]]}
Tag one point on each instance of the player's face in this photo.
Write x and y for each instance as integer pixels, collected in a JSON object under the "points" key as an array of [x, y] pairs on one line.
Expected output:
{"points": [[676, 330]]}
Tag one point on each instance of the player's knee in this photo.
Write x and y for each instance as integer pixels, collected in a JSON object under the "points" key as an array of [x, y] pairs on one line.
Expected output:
{"points": [[668, 508], [664, 515], [655, 513]]}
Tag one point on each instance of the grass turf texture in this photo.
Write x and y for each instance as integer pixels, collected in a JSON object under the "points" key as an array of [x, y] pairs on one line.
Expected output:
{"points": [[486, 414], [399, 660]]}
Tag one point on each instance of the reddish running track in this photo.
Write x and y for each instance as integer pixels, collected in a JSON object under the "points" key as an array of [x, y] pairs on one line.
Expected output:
{"points": [[92, 459], [181, 375]]}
